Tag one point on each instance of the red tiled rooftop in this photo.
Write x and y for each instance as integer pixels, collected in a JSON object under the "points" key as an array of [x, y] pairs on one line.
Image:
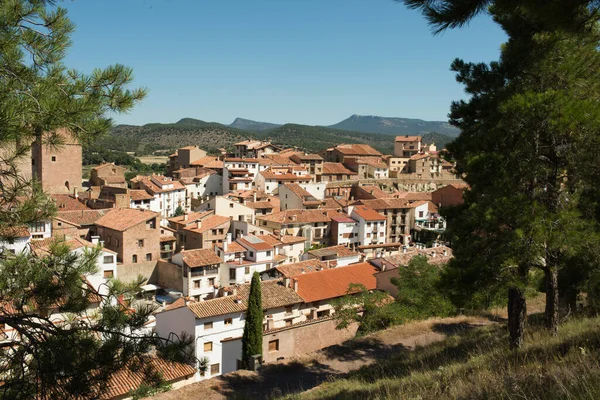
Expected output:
{"points": [[332, 283]]}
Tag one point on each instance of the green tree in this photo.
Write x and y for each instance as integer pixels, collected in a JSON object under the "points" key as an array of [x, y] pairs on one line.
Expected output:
{"points": [[178, 211], [420, 295], [71, 356], [253, 328], [525, 131], [370, 309]]}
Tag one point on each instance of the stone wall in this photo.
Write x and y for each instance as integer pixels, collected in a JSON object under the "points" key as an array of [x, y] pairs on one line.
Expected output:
{"points": [[129, 272], [305, 338], [407, 182]]}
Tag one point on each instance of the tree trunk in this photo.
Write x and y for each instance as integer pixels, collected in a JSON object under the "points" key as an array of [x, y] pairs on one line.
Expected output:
{"points": [[551, 300], [517, 311]]}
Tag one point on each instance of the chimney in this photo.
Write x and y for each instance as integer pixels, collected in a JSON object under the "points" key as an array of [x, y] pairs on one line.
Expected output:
{"points": [[286, 282], [185, 216], [234, 291], [404, 249], [101, 243], [95, 239], [445, 252], [182, 247], [238, 300], [254, 196], [296, 285], [75, 194]]}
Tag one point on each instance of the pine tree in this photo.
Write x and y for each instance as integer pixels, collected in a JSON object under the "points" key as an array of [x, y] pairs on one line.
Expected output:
{"points": [[253, 329], [51, 358], [178, 211]]}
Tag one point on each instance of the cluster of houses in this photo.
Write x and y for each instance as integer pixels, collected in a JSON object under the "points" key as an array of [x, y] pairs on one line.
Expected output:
{"points": [[209, 223]]}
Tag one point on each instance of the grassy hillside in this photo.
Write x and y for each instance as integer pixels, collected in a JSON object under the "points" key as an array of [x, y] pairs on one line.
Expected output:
{"points": [[150, 138], [477, 364]]}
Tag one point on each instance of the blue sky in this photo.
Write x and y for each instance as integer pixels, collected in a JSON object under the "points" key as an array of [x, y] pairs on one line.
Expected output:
{"points": [[304, 61]]}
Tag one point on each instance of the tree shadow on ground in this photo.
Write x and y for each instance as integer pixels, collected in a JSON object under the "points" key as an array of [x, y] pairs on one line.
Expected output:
{"points": [[274, 380]]}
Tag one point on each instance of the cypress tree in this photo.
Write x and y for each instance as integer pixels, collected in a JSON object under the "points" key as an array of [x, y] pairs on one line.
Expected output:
{"points": [[252, 339]]}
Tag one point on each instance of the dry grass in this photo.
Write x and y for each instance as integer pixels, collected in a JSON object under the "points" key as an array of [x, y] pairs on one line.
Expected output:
{"points": [[154, 159], [478, 365]]}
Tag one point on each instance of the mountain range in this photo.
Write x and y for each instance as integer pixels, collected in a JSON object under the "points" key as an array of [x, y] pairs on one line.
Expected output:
{"points": [[375, 131]]}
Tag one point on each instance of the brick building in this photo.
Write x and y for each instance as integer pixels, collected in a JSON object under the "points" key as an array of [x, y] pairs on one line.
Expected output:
{"points": [[108, 175], [133, 234], [58, 167], [451, 195]]}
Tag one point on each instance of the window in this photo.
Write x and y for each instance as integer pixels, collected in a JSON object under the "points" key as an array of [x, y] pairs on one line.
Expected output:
{"points": [[214, 231], [289, 322], [324, 313], [140, 242], [251, 254], [232, 273], [197, 284], [289, 309], [269, 253], [148, 256], [274, 345], [214, 369], [53, 158], [208, 325], [207, 346], [134, 258], [228, 321], [420, 214], [211, 281], [37, 227], [59, 224], [247, 270], [230, 205], [108, 274]]}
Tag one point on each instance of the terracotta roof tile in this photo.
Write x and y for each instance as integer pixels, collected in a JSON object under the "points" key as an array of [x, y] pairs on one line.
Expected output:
{"points": [[121, 219], [418, 196], [200, 257], [274, 294], [357, 149], [191, 217], [209, 223], [140, 195], [124, 381], [66, 202], [302, 267], [333, 168], [368, 214], [80, 218], [384, 204], [296, 216], [332, 283], [338, 251], [233, 247], [289, 239], [14, 231]]}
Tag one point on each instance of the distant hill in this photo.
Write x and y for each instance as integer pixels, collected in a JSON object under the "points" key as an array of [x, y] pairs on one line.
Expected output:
{"points": [[254, 126], [395, 126], [211, 136]]}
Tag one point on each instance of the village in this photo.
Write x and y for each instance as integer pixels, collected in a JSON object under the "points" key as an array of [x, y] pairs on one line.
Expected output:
{"points": [[309, 224]]}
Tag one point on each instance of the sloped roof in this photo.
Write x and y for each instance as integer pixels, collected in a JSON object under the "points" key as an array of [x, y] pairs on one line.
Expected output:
{"points": [[200, 257], [191, 217], [357, 149], [384, 204], [233, 247], [338, 251], [418, 196], [209, 223], [273, 293], [333, 168], [296, 216], [368, 214], [122, 382], [302, 267], [80, 218], [121, 219], [140, 194], [332, 283], [255, 242], [66, 202], [297, 190], [14, 231]]}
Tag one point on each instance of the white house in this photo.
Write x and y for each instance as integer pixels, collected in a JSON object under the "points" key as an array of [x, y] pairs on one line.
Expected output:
{"points": [[208, 183], [371, 225], [270, 179], [226, 207], [344, 231], [218, 324], [200, 272], [168, 192], [15, 240]]}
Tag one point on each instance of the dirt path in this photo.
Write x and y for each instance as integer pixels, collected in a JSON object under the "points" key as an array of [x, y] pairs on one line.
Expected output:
{"points": [[304, 373]]}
